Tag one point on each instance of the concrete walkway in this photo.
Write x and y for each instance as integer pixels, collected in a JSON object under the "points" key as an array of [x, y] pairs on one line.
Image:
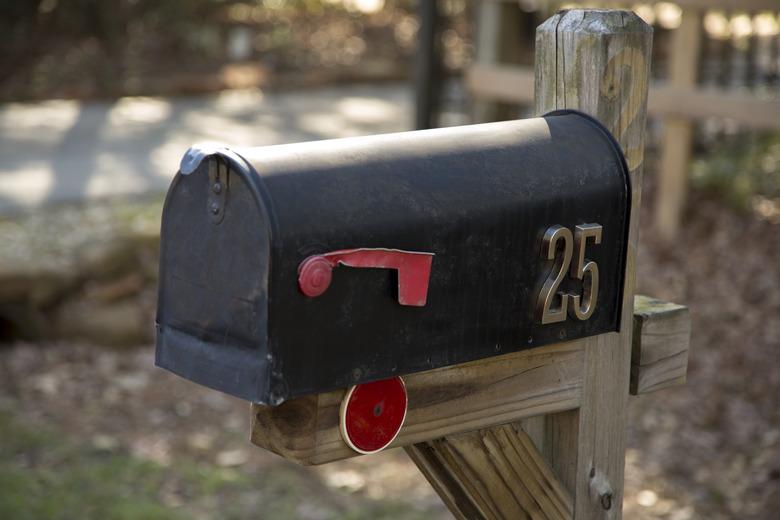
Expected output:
{"points": [[56, 151]]}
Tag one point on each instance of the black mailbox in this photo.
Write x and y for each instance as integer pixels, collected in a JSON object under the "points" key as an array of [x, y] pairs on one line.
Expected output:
{"points": [[295, 269]]}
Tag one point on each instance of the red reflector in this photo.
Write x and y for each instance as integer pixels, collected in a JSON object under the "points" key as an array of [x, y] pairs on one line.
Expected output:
{"points": [[372, 414]]}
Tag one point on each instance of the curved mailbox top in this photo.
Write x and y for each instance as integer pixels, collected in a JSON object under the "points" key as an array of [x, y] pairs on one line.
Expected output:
{"points": [[302, 268]]}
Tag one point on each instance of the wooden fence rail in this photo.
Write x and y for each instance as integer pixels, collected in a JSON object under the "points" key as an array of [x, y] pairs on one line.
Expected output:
{"points": [[679, 100]]}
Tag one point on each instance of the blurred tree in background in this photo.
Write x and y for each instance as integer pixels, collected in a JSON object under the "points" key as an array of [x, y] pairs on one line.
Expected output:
{"points": [[106, 48], [745, 171], [93, 47]]}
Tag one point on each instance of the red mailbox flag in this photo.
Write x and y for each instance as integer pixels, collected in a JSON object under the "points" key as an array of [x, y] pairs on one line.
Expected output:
{"points": [[414, 271]]}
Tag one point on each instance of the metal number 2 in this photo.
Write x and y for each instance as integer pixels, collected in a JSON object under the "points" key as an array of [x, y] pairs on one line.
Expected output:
{"points": [[577, 306], [544, 310]]}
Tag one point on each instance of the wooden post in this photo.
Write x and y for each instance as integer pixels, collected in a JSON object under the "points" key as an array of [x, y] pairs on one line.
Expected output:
{"points": [[678, 131], [497, 41], [598, 61]]}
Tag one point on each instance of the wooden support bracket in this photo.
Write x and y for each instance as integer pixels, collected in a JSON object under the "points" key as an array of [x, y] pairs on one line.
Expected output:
{"points": [[446, 401], [493, 473]]}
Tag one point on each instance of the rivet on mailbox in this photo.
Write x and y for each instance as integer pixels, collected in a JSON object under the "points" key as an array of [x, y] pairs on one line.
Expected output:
{"points": [[345, 264]]}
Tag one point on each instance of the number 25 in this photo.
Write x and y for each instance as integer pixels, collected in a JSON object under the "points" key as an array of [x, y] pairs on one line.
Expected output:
{"points": [[577, 306]]}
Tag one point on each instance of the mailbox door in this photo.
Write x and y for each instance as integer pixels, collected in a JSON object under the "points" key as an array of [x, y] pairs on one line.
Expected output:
{"points": [[212, 313]]}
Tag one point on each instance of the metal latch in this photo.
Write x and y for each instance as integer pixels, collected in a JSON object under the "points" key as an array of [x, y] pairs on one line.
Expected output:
{"points": [[218, 187]]}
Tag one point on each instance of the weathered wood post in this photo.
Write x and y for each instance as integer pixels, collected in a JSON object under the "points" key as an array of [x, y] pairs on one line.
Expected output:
{"points": [[598, 61], [678, 131], [422, 289]]}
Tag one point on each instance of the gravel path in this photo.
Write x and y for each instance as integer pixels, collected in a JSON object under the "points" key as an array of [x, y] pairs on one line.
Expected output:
{"points": [[59, 150]]}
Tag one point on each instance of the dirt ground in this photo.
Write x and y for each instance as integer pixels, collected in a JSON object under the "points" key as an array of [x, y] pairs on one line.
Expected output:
{"points": [[712, 448], [708, 450]]}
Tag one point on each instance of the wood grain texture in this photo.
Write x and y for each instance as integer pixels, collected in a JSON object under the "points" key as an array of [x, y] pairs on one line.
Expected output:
{"points": [[442, 402], [559, 445], [493, 473], [598, 61], [659, 357]]}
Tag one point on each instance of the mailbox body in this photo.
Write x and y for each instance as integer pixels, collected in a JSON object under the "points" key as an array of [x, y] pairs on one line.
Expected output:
{"points": [[479, 198]]}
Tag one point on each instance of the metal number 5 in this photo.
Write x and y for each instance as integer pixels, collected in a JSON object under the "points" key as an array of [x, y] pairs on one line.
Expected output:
{"points": [[577, 306], [590, 291]]}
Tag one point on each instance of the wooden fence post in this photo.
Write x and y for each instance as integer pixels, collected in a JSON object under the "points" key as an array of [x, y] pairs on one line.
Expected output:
{"points": [[678, 131], [598, 61], [498, 40]]}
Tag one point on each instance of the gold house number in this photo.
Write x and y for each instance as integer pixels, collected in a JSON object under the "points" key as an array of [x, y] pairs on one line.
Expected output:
{"points": [[577, 306]]}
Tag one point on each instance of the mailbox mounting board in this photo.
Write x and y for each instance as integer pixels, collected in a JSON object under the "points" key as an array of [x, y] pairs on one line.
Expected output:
{"points": [[523, 225]]}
